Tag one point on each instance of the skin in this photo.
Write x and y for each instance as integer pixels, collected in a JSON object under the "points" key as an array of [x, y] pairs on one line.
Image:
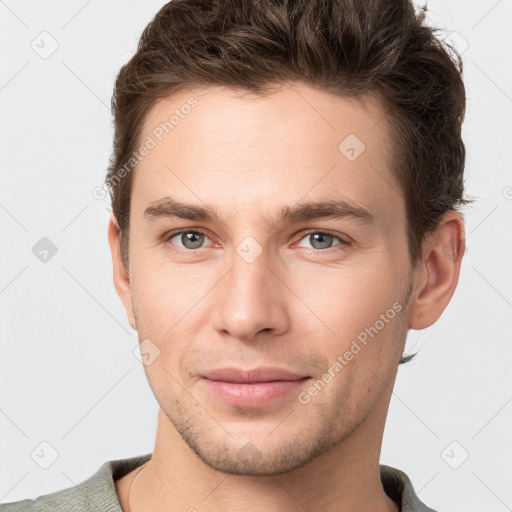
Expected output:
{"points": [[291, 308]]}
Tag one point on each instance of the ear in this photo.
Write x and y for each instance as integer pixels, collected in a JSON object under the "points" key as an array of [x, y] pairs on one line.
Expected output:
{"points": [[437, 275], [121, 277]]}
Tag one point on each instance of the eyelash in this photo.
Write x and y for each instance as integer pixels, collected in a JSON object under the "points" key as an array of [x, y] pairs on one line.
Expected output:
{"points": [[343, 243]]}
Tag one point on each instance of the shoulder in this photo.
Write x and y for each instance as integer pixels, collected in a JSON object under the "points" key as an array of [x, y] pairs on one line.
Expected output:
{"points": [[398, 486], [96, 493]]}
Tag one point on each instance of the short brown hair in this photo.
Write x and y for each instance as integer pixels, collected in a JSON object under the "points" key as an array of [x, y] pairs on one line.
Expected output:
{"points": [[349, 48]]}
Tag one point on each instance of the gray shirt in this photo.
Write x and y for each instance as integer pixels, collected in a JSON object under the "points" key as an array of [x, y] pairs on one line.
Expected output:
{"points": [[98, 493]]}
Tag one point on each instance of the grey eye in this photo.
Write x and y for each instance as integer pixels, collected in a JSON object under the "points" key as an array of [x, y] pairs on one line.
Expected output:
{"points": [[190, 239], [320, 240]]}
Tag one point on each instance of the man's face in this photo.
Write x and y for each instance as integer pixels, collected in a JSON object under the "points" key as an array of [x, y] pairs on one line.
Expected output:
{"points": [[248, 290]]}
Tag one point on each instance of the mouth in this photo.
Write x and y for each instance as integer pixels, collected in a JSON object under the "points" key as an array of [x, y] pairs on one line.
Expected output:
{"points": [[252, 388], [255, 375]]}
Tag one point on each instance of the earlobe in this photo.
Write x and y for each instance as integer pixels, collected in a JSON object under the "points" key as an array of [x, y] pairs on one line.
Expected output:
{"points": [[437, 277], [120, 275]]}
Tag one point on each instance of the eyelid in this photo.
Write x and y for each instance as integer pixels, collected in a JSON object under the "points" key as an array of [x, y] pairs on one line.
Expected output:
{"points": [[344, 240], [171, 234]]}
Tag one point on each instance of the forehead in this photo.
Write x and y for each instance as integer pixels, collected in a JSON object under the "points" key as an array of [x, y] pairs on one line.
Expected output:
{"points": [[248, 152]]}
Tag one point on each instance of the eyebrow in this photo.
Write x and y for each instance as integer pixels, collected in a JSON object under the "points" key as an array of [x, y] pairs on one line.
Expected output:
{"points": [[338, 208]]}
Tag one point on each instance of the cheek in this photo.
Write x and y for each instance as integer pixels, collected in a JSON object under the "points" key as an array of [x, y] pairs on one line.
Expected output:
{"points": [[163, 296], [362, 320], [167, 305], [344, 300]]}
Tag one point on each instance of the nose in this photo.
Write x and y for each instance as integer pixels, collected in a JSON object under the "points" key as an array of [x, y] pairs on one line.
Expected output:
{"points": [[251, 298]]}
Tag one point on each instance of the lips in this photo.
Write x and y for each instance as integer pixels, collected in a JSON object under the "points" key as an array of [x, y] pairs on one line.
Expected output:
{"points": [[252, 388], [267, 374]]}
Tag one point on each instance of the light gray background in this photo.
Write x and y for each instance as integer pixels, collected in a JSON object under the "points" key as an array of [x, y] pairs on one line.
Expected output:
{"points": [[68, 373]]}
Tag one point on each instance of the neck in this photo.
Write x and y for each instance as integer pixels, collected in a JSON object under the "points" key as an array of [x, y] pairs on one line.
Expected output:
{"points": [[346, 477]]}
